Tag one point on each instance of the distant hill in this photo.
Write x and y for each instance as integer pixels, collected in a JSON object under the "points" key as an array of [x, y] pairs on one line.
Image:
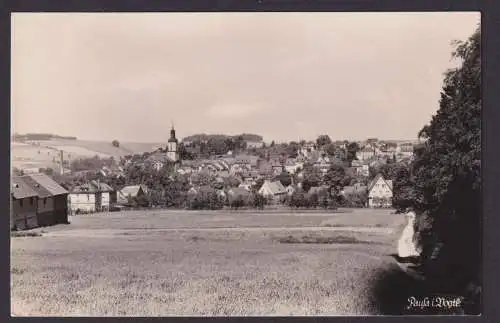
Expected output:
{"points": [[46, 153], [39, 136], [203, 136]]}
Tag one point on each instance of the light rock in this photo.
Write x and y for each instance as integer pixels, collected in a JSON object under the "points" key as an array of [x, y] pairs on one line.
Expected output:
{"points": [[407, 246]]}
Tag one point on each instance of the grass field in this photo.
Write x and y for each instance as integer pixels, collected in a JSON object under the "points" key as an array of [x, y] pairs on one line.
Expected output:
{"points": [[147, 263], [28, 156]]}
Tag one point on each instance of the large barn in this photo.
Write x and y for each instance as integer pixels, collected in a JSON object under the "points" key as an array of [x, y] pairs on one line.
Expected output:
{"points": [[59, 197], [37, 200], [22, 205]]}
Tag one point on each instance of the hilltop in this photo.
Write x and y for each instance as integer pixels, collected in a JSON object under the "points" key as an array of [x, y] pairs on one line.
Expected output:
{"points": [[205, 137]]}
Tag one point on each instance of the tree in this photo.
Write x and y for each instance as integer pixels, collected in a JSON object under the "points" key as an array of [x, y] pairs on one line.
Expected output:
{"points": [[184, 154], [352, 149], [447, 178], [311, 177], [292, 149], [336, 178], [258, 184], [285, 178], [258, 201], [313, 200], [237, 202], [330, 149], [402, 189], [115, 143], [298, 199], [202, 179], [323, 140]]}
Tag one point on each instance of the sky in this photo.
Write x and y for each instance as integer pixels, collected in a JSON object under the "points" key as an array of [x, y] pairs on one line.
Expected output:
{"points": [[285, 76]]}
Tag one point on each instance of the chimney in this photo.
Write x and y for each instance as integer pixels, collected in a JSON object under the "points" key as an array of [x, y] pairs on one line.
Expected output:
{"points": [[62, 164]]}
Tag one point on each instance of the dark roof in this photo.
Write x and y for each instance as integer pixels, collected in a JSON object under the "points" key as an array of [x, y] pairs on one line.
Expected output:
{"points": [[41, 191], [48, 183], [20, 189], [92, 187]]}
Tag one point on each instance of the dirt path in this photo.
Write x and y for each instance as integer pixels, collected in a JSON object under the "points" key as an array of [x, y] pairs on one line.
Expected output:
{"points": [[113, 232]]}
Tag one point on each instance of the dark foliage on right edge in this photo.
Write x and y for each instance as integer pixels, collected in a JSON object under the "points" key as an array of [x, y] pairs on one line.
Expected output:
{"points": [[443, 183]]}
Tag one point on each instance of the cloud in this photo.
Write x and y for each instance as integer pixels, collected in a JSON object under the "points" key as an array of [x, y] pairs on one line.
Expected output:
{"points": [[228, 110]]}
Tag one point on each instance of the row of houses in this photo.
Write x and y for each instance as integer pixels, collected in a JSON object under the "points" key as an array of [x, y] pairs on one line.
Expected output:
{"points": [[271, 190], [96, 196], [372, 150], [379, 191], [37, 200]]}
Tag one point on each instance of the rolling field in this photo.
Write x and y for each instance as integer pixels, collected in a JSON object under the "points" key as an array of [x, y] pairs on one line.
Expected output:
{"points": [[159, 263], [29, 156]]}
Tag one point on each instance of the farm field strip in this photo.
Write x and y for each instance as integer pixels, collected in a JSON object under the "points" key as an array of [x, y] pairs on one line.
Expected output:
{"points": [[98, 265]]}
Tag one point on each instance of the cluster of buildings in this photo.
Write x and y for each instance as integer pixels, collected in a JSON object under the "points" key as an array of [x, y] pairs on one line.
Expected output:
{"points": [[248, 169], [377, 150], [37, 200]]}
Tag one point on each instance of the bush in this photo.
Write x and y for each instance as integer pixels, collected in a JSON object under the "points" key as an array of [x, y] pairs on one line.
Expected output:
{"points": [[258, 201], [205, 201], [237, 202], [298, 199], [357, 200]]}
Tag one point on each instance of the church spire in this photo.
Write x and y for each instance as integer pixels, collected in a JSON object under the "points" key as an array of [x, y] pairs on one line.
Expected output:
{"points": [[172, 133]]}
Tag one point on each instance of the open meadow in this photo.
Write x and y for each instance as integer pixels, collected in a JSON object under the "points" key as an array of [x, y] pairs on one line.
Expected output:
{"points": [[161, 263], [42, 156]]}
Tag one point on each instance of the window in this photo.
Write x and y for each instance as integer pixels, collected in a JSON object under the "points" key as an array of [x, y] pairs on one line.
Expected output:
{"points": [[44, 201], [21, 203], [31, 201]]}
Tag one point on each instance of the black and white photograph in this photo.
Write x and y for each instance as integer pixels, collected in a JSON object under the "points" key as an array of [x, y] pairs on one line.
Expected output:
{"points": [[245, 164]]}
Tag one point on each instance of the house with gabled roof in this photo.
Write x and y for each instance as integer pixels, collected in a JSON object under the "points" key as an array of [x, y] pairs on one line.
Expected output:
{"points": [[131, 191], [272, 190], [23, 205], [52, 205], [380, 192]]}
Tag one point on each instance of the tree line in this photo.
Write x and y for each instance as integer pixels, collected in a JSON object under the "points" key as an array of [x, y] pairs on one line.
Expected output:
{"points": [[443, 183]]}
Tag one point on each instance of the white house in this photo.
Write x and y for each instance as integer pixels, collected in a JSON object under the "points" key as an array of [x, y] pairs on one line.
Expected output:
{"points": [[131, 191], [362, 170], [365, 153], [93, 196], [380, 192], [254, 144], [323, 163], [273, 190], [292, 165], [404, 151]]}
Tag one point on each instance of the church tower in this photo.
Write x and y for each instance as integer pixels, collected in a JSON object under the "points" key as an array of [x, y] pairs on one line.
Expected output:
{"points": [[172, 153]]}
